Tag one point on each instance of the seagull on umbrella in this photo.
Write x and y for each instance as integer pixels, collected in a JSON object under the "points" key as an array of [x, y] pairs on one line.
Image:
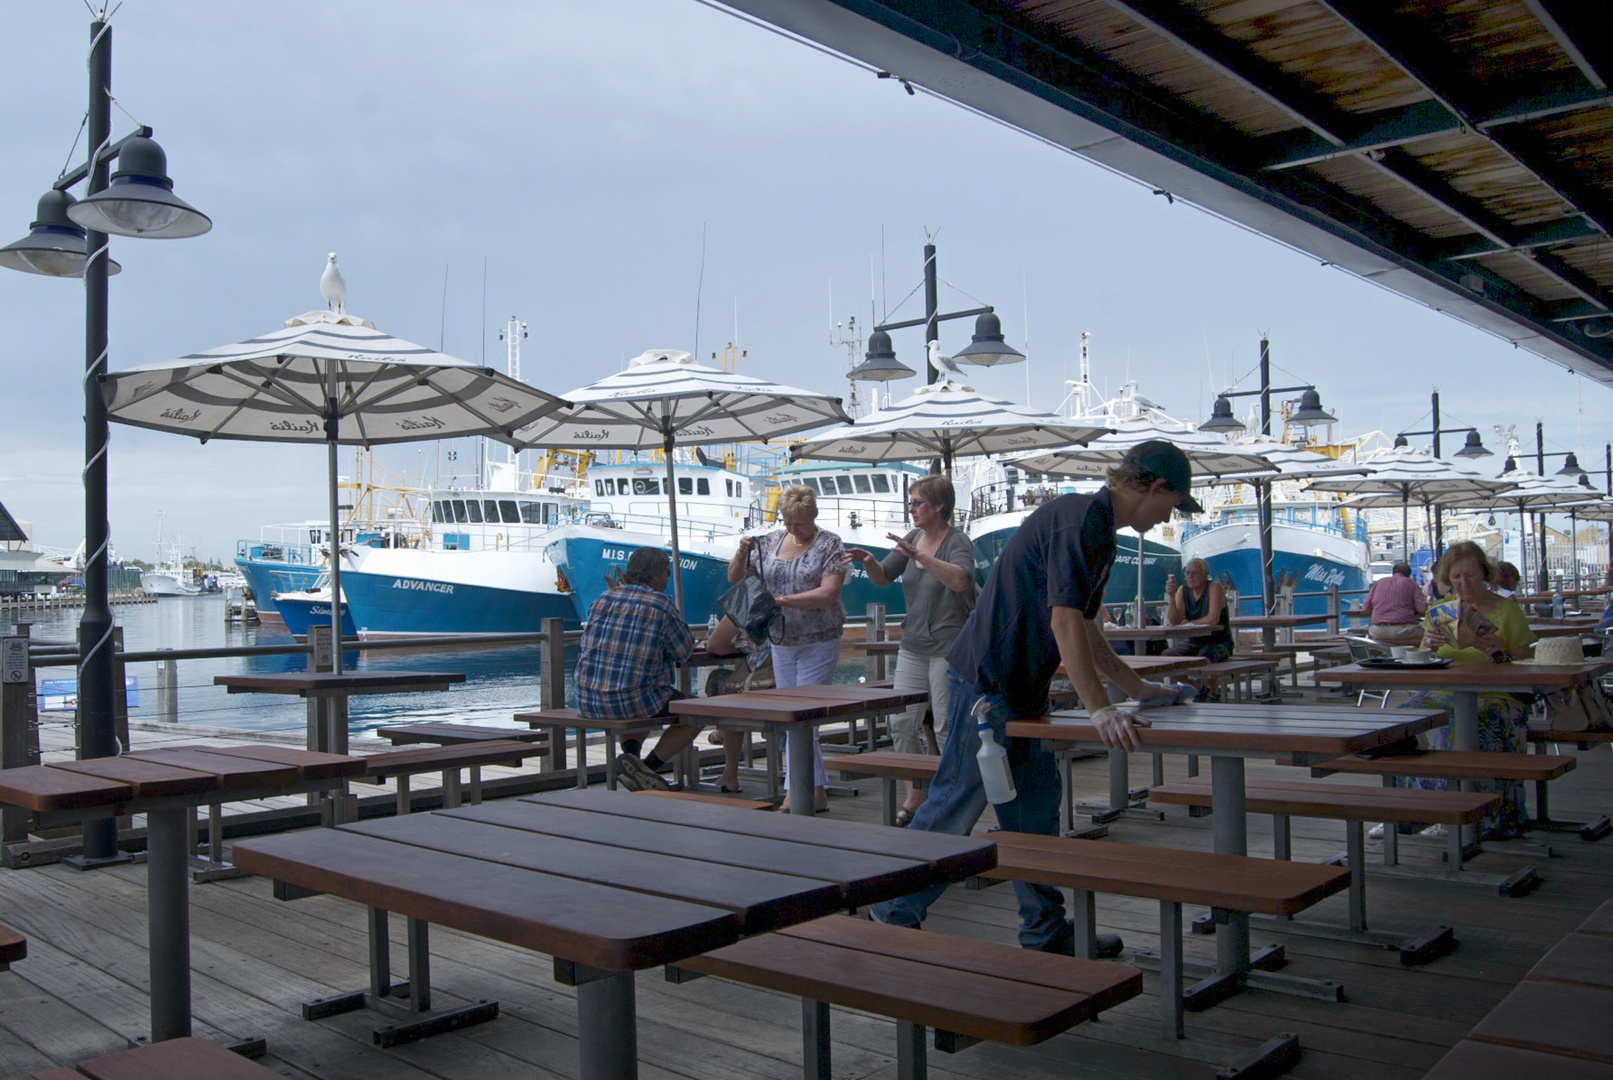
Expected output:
{"points": [[332, 286], [944, 366]]}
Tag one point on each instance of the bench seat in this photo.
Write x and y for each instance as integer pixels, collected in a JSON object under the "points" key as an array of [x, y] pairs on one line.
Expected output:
{"points": [[455, 734], [400, 765], [890, 767], [1355, 804], [1453, 765], [967, 991], [1226, 883], [1237, 672], [13, 947], [713, 800], [188, 1058], [558, 721]]}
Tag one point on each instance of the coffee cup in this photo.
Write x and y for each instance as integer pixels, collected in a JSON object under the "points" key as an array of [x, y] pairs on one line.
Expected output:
{"points": [[1419, 656], [1399, 651]]}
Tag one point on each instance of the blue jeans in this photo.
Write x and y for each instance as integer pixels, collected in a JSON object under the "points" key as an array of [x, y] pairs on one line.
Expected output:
{"points": [[956, 801]]}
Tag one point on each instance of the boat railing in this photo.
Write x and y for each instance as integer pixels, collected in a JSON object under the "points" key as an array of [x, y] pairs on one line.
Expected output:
{"points": [[1002, 496], [1354, 530], [636, 519]]}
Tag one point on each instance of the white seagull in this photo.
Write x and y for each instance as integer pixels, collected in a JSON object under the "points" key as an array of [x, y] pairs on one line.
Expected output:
{"points": [[333, 287], [944, 366]]}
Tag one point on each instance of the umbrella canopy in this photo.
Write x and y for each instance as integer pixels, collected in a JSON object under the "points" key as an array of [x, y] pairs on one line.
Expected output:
{"points": [[1208, 454], [330, 378], [1530, 492], [946, 419], [1409, 476], [1290, 462], [664, 400]]}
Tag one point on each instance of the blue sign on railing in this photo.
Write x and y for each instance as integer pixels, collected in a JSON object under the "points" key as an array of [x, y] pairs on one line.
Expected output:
{"points": [[61, 695]]}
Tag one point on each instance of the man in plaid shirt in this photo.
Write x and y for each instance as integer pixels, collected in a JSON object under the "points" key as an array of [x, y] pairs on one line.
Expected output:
{"points": [[632, 640]]}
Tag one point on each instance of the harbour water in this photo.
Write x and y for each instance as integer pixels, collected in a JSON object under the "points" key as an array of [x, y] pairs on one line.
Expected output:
{"points": [[498, 681]]}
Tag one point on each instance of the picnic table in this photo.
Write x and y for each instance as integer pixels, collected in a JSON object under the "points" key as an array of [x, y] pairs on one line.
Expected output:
{"points": [[327, 724], [167, 786], [610, 883], [1228, 734], [800, 709]]}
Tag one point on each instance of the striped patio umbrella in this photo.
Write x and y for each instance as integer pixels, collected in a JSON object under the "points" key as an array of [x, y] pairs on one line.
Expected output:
{"points": [[1292, 463], [324, 377], [1403, 476], [664, 400], [1208, 454], [947, 420], [1532, 492]]}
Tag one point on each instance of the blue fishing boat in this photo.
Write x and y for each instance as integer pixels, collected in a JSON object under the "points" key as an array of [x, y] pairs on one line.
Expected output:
{"points": [[311, 607]]}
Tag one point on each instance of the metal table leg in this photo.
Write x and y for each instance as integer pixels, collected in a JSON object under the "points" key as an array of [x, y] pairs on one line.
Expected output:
{"points": [[607, 1025], [168, 921], [798, 753]]}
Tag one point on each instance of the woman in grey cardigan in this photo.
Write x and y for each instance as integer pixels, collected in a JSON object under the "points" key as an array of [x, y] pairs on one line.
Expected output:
{"points": [[936, 563]]}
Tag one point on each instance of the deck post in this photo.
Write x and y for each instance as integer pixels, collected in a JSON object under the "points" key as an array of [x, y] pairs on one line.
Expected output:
{"points": [[168, 691], [16, 722], [552, 690]]}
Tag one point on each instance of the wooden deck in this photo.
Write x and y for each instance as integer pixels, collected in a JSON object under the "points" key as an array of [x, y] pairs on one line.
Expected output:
{"points": [[81, 990]]}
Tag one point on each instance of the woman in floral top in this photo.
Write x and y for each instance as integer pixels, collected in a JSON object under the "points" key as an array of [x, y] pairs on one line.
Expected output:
{"points": [[803, 566]]}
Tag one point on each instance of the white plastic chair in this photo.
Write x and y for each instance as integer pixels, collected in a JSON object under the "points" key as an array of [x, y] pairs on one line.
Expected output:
{"points": [[1364, 648]]}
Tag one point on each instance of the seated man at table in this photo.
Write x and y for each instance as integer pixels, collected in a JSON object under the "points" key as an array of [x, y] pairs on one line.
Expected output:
{"points": [[1201, 602], [1041, 606], [1395, 607], [632, 641]]}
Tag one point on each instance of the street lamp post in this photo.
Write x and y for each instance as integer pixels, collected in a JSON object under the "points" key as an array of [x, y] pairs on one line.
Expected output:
{"points": [[70, 239], [1572, 470], [986, 348], [1472, 448], [1309, 414]]}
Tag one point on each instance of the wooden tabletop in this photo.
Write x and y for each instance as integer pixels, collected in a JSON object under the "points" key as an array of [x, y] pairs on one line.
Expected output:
{"points": [[1161, 665], [192, 773], [1563, 628], [1159, 632], [1246, 622], [799, 704], [1278, 731], [879, 697], [876, 648], [348, 682], [609, 879], [1522, 677]]}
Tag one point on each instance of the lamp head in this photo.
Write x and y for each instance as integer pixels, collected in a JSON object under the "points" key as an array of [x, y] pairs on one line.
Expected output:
{"points": [[1571, 466], [1400, 442], [880, 363], [54, 245], [1310, 411], [140, 200], [1474, 447], [987, 347], [1221, 418]]}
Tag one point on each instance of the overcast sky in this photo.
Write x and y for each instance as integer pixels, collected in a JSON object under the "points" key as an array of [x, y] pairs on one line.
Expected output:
{"points": [[613, 174]]}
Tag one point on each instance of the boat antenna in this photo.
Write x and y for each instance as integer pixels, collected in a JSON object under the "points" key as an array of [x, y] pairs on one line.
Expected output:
{"points": [[700, 284], [442, 324]]}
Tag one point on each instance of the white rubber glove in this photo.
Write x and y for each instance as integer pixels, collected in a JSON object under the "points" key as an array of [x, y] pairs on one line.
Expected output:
{"points": [[1118, 728], [1158, 695]]}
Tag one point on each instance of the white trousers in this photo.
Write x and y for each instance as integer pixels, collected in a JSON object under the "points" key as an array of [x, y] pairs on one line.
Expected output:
{"points": [[806, 665]]}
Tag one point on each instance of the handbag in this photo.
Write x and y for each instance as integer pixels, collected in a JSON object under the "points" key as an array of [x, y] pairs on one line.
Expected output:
{"points": [[752, 608], [1565, 711]]}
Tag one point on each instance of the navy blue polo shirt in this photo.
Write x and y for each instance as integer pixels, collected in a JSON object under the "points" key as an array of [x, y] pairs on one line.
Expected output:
{"points": [[1060, 556]]}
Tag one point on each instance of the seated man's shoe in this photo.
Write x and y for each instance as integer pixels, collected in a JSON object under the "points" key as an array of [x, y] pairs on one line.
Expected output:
{"points": [[634, 775], [1104, 946]]}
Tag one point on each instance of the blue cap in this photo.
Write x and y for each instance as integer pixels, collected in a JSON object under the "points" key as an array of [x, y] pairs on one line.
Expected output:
{"points": [[1157, 459]]}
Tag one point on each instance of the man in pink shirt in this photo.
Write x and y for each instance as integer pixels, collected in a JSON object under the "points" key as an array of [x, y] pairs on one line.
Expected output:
{"points": [[1396, 606]]}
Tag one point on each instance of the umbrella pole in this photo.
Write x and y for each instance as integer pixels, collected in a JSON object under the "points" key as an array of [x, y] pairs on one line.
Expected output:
{"points": [[1268, 589], [1142, 542], [335, 555], [672, 515]]}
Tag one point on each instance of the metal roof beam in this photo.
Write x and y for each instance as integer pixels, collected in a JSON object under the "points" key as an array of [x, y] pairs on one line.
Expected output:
{"points": [[1429, 119], [1197, 37], [1581, 32], [1565, 231], [1388, 33]]}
